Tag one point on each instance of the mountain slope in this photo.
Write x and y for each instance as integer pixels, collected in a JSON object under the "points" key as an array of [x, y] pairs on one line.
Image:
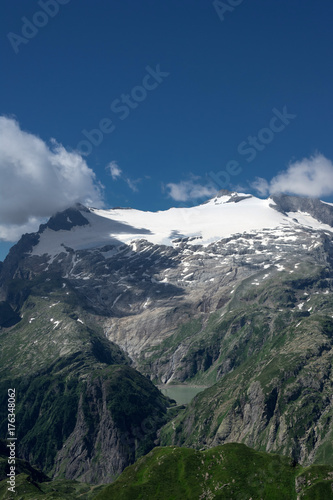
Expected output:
{"points": [[235, 294], [230, 472], [80, 405], [271, 354]]}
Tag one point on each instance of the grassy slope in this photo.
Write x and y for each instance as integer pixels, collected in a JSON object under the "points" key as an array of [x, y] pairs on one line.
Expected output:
{"points": [[61, 490], [53, 326], [31, 483], [231, 471]]}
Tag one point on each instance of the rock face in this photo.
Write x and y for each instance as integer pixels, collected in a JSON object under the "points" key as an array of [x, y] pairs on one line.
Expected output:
{"points": [[67, 220], [90, 297], [319, 210], [108, 434], [82, 411], [273, 370], [80, 419]]}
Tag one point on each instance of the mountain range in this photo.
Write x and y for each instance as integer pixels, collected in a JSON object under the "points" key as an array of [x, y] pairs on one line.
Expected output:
{"points": [[100, 309]]}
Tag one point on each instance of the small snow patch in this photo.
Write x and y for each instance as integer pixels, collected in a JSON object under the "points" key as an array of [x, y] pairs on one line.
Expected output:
{"points": [[55, 304]]}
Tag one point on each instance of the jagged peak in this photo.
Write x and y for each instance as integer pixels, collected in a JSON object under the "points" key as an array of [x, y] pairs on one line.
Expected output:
{"points": [[67, 219], [226, 196]]}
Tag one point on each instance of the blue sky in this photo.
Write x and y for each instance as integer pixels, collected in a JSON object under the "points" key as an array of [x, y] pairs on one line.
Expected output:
{"points": [[157, 104]]}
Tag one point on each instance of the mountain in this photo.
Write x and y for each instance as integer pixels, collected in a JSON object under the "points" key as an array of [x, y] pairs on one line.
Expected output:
{"points": [[234, 294]]}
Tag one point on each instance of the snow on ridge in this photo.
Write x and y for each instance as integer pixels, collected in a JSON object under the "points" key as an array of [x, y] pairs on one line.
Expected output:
{"points": [[306, 220], [205, 223]]}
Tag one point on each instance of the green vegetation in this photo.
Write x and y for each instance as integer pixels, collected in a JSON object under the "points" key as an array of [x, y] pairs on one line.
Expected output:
{"points": [[27, 489], [32, 484], [231, 471], [48, 408], [53, 326]]}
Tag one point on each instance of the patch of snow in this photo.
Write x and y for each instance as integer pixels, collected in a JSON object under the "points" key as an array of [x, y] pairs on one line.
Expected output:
{"points": [[145, 305], [116, 300]]}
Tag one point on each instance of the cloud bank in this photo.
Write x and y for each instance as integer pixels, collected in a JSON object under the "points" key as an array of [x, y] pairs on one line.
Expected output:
{"points": [[189, 190], [309, 177], [37, 180]]}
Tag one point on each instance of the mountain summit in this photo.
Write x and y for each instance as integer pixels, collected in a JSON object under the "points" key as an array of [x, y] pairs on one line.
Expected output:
{"points": [[222, 216]]}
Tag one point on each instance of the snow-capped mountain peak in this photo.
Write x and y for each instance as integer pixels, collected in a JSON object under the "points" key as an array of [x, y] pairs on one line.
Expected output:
{"points": [[220, 217]]}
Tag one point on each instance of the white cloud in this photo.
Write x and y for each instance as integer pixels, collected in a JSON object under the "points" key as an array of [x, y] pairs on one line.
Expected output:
{"points": [[309, 177], [117, 173], [132, 183], [12, 232], [189, 190], [261, 186], [37, 180], [114, 169]]}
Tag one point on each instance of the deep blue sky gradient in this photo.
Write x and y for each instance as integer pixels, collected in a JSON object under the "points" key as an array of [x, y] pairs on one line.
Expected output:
{"points": [[225, 79]]}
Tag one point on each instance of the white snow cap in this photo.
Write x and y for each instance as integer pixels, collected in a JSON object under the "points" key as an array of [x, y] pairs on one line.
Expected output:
{"points": [[220, 217]]}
